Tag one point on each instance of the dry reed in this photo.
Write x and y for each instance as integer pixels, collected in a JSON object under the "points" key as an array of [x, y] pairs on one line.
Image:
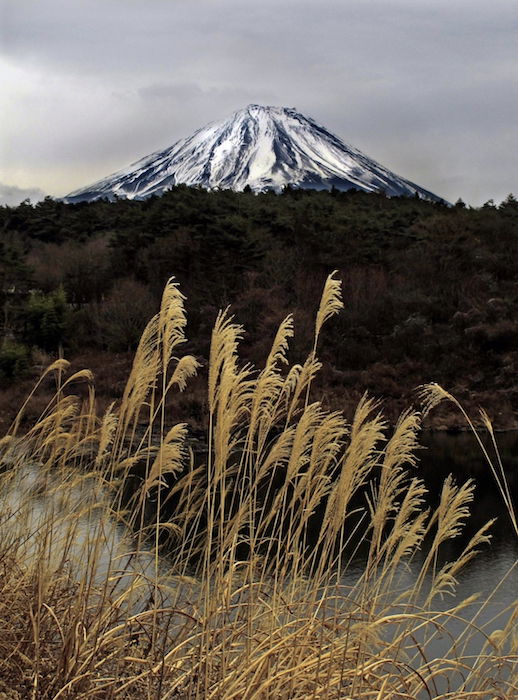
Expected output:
{"points": [[128, 568]]}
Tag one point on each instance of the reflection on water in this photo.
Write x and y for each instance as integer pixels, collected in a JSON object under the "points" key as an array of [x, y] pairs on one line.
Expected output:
{"points": [[69, 516], [461, 455]]}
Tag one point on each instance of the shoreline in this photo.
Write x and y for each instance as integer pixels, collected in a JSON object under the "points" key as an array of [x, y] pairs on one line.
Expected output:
{"points": [[111, 370]]}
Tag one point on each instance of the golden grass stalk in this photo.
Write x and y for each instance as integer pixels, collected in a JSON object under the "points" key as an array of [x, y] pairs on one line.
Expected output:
{"points": [[276, 565]]}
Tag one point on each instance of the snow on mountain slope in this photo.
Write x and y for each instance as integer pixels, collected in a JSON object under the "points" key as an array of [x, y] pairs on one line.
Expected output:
{"points": [[263, 147]]}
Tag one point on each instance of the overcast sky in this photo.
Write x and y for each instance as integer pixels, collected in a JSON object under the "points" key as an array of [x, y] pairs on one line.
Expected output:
{"points": [[429, 88]]}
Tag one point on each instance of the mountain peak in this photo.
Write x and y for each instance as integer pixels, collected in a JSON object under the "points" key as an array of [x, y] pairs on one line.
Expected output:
{"points": [[266, 108], [262, 147]]}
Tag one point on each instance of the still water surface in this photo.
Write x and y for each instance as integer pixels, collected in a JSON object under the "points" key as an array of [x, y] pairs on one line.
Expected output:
{"points": [[493, 574]]}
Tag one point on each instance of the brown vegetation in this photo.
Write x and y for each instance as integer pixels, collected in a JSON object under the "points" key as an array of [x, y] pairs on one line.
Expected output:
{"points": [[241, 590]]}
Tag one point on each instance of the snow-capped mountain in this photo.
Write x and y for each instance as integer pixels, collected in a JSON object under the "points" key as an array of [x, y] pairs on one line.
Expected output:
{"points": [[265, 148]]}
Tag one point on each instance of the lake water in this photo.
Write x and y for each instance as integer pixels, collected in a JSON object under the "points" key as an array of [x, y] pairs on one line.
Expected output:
{"points": [[461, 455], [493, 574]]}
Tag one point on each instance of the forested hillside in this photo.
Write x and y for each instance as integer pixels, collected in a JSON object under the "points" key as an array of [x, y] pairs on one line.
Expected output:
{"points": [[430, 290]]}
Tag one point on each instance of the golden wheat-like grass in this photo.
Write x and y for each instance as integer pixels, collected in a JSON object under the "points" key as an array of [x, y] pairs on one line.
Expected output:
{"points": [[130, 569]]}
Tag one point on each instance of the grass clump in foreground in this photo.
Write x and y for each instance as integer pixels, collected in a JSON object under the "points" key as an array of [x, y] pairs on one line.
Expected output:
{"points": [[254, 598]]}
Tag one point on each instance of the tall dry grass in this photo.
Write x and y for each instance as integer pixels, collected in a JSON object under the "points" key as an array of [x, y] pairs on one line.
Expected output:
{"points": [[130, 569]]}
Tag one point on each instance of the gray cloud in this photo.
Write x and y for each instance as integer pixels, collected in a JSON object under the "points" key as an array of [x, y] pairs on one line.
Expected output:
{"points": [[12, 195], [171, 91], [430, 89], [180, 92]]}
